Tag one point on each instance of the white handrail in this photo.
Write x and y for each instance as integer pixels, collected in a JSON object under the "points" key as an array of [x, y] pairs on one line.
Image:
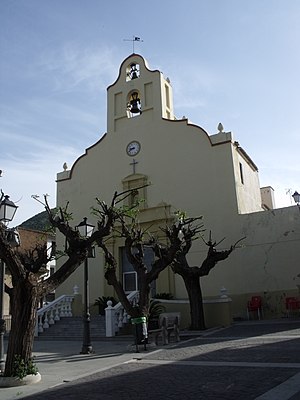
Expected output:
{"points": [[116, 317], [52, 312]]}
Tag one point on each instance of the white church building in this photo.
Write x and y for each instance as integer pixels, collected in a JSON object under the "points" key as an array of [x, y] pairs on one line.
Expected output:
{"points": [[189, 169]]}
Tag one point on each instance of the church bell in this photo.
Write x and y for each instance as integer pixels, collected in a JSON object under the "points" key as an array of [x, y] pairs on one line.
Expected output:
{"points": [[135, 103], [133, 71]]}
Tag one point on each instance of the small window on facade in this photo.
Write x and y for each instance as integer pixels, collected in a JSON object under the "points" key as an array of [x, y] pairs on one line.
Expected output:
{"points": [[130, 282], [167, 96], [132, 72], [241, 173]]}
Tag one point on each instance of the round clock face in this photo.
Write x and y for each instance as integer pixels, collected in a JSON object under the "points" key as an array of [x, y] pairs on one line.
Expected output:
{"points": [[133, 148]]}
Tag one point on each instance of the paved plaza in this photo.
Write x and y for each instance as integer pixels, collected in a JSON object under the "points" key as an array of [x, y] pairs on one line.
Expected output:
{"points": [[256, 360]]}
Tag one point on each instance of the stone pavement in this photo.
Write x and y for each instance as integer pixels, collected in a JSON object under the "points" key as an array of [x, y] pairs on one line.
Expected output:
{"points": [[256, 360]]}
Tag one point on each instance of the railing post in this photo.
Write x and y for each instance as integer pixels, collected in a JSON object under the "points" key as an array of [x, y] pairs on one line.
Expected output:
{"points": [[40, 323], [36, 329], [110, 319], [116, 317], [49, 314]]}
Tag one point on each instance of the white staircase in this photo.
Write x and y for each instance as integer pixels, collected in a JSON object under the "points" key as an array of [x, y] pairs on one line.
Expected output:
{"points": [[71, 328]]}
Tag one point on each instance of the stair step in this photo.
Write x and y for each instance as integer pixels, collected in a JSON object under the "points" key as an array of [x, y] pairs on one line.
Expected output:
{"points": [[72, 328]]}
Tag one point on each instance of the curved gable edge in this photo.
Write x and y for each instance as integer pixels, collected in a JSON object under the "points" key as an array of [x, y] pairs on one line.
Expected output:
{"points": [[80, 157], [126, 62], [187, 123]]}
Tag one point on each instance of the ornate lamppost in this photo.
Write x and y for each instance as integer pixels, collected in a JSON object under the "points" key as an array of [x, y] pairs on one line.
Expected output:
{"points": [[85, 229], [7, 213], [296, 197]]}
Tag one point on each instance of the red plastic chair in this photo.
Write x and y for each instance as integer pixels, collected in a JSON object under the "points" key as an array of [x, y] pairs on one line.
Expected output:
{"points": [[255, 305], [292, 305]]}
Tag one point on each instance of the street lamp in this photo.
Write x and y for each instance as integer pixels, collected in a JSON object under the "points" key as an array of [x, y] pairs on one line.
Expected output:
{"points": [[7, 213], [296, 197], [7, 209], [85, 229]]}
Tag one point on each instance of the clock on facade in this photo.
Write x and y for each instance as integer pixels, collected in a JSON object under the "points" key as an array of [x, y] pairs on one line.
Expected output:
{"points": [[133, 148]]}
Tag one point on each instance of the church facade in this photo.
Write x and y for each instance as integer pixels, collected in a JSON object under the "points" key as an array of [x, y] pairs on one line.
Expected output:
{"points": [[181, 166]]}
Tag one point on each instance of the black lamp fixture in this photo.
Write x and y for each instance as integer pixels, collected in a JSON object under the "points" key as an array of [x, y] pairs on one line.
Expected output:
{"points": [[85, 229], [7, 209], [296, 197]]}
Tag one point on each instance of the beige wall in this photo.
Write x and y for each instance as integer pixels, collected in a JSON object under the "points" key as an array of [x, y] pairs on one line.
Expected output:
{"points": [[267, 196], [217, 311]]}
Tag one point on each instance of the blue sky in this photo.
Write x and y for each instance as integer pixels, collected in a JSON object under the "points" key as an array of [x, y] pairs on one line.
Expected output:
{"points": [[230, 61]]}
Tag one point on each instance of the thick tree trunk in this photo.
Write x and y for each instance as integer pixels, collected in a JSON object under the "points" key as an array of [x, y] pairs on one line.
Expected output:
{"points": [[144, 293], [24, 303], [144, 300], [193, 287]]}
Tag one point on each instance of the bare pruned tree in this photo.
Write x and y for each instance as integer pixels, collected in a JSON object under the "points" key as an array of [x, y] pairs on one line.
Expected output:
{"points": [[25, 269], [192, 274], [136, 241]]}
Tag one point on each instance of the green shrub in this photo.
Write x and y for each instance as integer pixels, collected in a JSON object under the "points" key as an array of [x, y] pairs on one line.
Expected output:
{"points": [[155, 309], [101, 302], [22, 368]]}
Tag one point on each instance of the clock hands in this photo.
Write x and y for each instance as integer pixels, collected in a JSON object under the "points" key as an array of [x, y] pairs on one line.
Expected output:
{"points": [[133, 148]]}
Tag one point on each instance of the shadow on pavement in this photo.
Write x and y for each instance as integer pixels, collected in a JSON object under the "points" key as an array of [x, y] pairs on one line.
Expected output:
{"points": [[184, 377]]}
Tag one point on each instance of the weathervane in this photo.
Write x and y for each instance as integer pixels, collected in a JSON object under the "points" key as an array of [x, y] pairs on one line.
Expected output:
{"points": [[289, 192], [133, 40]]}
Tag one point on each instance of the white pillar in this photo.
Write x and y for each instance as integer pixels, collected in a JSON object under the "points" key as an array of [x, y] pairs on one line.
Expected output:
{"points": [[110, 320]]}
